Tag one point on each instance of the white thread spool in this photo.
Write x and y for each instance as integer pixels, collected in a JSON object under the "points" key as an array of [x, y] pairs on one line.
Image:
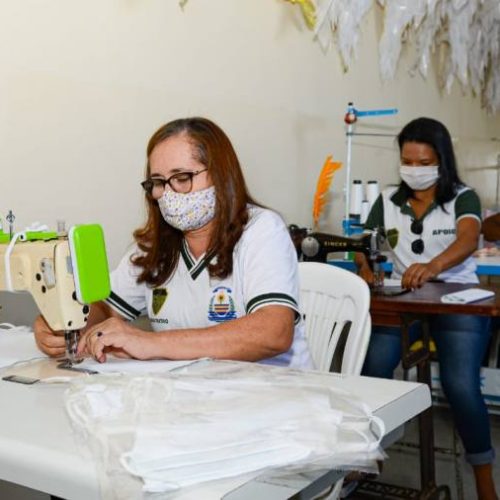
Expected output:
{"points": [[365, 210], [356, 198], [372, 192]]}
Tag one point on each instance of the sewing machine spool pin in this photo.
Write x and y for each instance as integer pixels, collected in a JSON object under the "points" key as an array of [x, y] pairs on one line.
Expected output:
{"points": [[10, 219]]}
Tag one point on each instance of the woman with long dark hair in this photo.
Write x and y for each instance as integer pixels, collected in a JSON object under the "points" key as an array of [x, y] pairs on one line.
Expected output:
{"points": [[215, 272], [437, 220]]}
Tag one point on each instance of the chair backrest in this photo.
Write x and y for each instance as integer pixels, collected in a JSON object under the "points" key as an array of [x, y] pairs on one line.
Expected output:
{"points": [[335, 304]]}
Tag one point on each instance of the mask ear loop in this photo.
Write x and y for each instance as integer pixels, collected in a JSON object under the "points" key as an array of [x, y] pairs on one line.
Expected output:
{"points": [[360, 426]]}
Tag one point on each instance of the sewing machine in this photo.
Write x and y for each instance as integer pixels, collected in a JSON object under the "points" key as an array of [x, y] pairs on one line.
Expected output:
{"points": [[313, 246], [64, 272]]}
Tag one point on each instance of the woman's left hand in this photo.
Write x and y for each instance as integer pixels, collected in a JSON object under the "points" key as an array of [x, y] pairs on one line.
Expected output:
{"points": [[417, 274], [117, 337]]}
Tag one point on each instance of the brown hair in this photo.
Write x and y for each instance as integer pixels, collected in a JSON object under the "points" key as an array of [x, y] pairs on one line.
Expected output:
{"points": [[161, 243]]}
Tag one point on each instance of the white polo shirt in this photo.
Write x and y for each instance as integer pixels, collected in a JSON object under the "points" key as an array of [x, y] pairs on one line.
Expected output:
{"points": [[265, 272], [393, 212]]}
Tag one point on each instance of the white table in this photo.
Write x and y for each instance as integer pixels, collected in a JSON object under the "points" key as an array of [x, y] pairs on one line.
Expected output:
{"points": [[38, 450], [488, 265]]}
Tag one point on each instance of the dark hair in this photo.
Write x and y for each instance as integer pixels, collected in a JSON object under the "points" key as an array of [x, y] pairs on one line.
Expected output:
{"points": [[436, 135], [161, 243]]}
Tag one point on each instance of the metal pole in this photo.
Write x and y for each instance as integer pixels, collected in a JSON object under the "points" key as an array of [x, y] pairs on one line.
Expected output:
{"points": [[348, 178]]}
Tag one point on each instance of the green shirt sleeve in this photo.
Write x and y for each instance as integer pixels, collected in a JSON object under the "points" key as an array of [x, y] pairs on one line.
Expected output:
{"points": [[376, 216], [468, 203]]}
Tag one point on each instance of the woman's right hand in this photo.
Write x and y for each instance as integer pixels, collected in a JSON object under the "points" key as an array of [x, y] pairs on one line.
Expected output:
{"points": [[49, 342], [366, 273]]}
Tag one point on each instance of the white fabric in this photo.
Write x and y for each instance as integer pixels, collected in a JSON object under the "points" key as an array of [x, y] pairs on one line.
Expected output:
{"points": [[264, 273], [17, 343], [177, 431], [120, 365]]}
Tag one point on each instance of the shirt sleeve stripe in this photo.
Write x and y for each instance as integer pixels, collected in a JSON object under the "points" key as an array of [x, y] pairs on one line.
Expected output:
{"points": [[122, 307], [270, 297], [474, 216], [273, 298]]}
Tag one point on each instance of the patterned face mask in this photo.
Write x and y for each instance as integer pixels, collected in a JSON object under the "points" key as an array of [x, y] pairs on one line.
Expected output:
{"points": [[189, 211]]}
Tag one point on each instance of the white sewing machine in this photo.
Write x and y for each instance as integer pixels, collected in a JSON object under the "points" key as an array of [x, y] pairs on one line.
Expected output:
{"points": [[63, 272]]}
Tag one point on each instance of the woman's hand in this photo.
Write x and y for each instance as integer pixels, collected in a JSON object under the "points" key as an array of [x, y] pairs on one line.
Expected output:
{"points": [[417, 274], [47, 340], [117, 337], [366, 273]]}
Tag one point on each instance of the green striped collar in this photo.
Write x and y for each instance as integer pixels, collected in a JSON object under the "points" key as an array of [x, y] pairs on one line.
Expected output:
{"points": [[400, 199], [195, 267]]}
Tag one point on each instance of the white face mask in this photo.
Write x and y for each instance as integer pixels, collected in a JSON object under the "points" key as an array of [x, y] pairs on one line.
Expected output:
{"points": [[188, 211], [419, 178]]}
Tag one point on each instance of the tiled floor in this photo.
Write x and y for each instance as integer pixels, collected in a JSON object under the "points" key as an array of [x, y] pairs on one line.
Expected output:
{"points": [[402, 465]]}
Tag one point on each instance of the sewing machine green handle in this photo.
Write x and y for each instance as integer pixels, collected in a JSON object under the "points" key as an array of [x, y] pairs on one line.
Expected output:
{"points": [[90, 264]]}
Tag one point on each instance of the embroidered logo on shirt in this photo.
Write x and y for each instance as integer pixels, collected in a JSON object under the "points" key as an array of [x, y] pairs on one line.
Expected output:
{"points": [[159, 297], [221, 307], [392, 236]]}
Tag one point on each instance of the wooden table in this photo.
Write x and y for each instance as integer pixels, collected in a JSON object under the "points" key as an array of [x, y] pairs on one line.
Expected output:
{"points": [[403, 310], [427, 300]]}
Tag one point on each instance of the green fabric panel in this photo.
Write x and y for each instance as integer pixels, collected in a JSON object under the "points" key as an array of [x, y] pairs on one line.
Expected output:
{"points": [[376, 216], [468, 203]]}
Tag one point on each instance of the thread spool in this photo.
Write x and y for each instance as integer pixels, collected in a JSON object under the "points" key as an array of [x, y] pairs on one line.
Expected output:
{"points": [[365, 210], [372, 192], [356, 199]]}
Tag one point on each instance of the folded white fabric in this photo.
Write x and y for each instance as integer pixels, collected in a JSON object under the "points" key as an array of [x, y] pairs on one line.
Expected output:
{"points": [[133, 366], [180, 430]]}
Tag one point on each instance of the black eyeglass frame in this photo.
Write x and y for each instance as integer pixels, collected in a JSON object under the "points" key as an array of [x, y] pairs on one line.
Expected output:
{"points": [[149, 184]]}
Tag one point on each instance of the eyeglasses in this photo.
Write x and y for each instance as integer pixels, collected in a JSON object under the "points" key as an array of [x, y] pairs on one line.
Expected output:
{"points": [[417, 227], [181, 182]]}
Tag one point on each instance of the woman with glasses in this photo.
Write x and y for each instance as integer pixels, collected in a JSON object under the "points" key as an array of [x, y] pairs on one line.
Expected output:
{"points": [[215, 272], [437, 220]]}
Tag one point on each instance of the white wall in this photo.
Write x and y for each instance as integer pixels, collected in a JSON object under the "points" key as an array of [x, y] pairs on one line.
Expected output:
{"points": [[84, 84]]}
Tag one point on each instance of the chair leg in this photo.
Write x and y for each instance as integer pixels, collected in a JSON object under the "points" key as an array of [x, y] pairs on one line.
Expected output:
{"points": [[494, 353], [457, 459], [335, 494], [332, 492]]}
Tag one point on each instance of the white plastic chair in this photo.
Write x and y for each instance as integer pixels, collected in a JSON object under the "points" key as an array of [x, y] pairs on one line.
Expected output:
{"points": [[335, 304]]}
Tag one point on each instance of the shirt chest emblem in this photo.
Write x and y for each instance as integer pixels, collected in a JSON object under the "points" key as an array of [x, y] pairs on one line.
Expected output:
{"points": [[221, 307], [444, 232], [159, 298]]}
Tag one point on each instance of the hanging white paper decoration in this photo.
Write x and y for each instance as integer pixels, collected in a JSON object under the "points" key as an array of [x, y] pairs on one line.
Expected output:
{"points": [[399, 16], [469, 29], [342, 19], [466, 32]]}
